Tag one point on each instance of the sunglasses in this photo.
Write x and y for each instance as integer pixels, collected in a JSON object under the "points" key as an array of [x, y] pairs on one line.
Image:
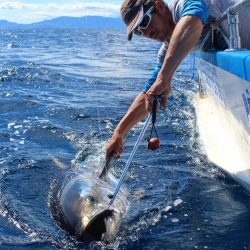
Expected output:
{"points": [[144, 23]]}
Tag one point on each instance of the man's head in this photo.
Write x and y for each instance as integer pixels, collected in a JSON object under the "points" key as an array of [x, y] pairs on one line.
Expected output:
{"points": [[138, 15]]}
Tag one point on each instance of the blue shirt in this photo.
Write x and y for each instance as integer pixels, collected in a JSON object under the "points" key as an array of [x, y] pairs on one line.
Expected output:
{"points": [[179, 9]]}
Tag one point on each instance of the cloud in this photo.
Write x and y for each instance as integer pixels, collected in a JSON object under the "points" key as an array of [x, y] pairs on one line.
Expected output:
{"points": [[82, 6], [61, 7], [18, 5], [86, 8], [38, 12]]}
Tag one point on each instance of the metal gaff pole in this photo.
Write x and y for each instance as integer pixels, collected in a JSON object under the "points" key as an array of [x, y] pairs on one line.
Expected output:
{"points": [[130, 158]]}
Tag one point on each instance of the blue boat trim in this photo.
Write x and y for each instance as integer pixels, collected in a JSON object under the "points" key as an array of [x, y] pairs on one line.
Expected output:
{"points": [[236, 62]]}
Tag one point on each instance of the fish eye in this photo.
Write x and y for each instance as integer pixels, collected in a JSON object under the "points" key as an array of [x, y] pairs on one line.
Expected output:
{"points": [[90, 199]]}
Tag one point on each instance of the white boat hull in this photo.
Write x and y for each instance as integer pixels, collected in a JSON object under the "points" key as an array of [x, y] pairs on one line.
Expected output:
{"points": [[223, 115]]}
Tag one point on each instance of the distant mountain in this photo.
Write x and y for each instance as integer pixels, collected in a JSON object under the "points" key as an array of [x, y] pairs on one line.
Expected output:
{"points": [[70, 22], [6, 24]]}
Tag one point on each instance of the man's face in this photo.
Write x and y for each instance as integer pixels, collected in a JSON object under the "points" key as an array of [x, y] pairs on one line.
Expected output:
{"points": [[161, 26]]}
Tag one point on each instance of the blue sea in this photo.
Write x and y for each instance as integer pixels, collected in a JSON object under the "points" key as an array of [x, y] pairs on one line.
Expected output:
{"points": [[62, 93]]}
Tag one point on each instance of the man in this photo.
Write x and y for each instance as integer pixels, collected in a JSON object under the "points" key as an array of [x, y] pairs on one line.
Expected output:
{"points": [[183, 27]]}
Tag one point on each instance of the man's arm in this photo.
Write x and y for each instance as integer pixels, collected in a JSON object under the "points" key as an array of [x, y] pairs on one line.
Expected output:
{"points": [[136, 112], [186, 34]]}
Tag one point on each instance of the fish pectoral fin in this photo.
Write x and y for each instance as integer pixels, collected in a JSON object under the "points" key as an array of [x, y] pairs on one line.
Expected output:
{"points": [[58, 163]]}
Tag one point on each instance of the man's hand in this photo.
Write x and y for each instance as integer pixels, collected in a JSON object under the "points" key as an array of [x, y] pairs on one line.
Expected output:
{"points": [[158, 88], [115, 146]]}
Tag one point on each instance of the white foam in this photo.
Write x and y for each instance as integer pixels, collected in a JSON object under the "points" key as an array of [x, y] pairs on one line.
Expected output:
{"points": [[177, 202], [18, 126], [166, 209], [10, 124], [156, 219], [32, 234], [175, 220]]}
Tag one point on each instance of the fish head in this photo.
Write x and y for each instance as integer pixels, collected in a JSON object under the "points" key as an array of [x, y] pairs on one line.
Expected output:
{"points": [[85, 204]]}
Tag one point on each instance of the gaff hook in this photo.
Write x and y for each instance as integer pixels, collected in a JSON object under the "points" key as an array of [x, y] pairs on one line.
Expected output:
{"points": [[150, 115]]}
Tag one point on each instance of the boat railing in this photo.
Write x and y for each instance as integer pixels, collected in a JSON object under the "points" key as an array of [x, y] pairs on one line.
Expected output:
{"points": [[231, 14]]}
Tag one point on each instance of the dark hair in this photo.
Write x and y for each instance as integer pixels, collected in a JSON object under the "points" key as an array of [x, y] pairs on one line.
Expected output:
{"points": [[149, 2]]}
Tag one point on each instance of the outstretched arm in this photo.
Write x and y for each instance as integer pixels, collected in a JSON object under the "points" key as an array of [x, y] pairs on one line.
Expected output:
{"points": [[136, 112], [186, 34]]}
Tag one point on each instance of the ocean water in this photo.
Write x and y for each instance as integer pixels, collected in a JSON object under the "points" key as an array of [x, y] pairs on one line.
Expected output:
{"points": [[62, 93]]}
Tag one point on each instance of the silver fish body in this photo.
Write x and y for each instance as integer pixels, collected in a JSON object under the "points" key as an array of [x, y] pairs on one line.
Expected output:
{"points": [[80, 205]]}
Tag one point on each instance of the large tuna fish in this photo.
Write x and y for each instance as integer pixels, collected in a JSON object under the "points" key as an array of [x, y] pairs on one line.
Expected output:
{"points": [[80, 204]]}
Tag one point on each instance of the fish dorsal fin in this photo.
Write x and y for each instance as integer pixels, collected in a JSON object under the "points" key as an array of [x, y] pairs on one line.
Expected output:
{"points": [[107, 166], [109, 163]]}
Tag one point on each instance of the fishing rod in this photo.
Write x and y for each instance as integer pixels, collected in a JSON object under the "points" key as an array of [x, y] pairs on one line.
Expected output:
{"points": [[152, 117]]}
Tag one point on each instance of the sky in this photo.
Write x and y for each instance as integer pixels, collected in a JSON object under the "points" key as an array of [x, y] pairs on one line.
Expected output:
{"points": [[30, 11]]}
